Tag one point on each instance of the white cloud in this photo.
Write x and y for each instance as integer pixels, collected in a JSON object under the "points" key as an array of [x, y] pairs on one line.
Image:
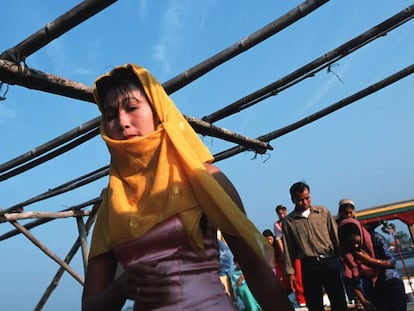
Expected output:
{"points": [[6, 112]]}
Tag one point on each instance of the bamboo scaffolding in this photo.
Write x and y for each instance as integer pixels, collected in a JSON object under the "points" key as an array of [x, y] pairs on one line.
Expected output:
{"points": [[42, 221], [72, 252], [45, 250], [62, 139], [68, 186], [35, 79], [83, 242], [36, 214], [51, 155], [313, 67], [243, 45], [324, 112], [55, 29]]}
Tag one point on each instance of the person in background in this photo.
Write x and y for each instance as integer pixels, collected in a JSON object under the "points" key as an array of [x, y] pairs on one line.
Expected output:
{"points": [[310, 233], [245, 301], [299, 295], [226, 261], [366, 257], [278, 268], [162, 208], [346, 209]]}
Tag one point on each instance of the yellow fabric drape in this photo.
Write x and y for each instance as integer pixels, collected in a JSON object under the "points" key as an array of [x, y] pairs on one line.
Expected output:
{"points": [[162, 174]]}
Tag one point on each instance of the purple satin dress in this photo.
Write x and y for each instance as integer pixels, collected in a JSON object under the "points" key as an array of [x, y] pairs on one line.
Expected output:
{"points": [[195, 281]]}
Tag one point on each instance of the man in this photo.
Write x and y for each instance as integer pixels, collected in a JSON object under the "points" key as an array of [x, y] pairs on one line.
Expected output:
{"points": [[281, 212], [310, 233]]}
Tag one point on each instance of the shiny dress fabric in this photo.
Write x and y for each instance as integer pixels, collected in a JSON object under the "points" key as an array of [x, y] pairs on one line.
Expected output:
{"points": [[195, 283]]}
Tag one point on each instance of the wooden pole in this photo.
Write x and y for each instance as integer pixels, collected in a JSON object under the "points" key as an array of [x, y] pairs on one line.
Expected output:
{"points": [[55, 29], [72, 252], [324, 112], [313, 67], [83, 241], [50, 215], [42, 221], [45, 250]]}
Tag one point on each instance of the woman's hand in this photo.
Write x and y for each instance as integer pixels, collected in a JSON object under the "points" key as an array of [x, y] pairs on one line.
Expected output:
{"points": [[144, 283]]}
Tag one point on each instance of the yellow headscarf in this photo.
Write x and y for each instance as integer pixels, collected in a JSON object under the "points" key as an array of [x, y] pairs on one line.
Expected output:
{"points": [[162, 174]]}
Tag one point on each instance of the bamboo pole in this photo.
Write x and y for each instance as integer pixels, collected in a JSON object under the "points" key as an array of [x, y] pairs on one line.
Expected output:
{"points": [[51, 155], [62, 139], [324, 112], [68, 186], [72, 252], [45, 250], [83, 242], [243, 45], [34, 214], [42, 221], [310, 69], [55, 29]]}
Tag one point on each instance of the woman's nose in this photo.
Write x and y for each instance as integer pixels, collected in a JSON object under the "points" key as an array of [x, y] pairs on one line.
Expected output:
{"points": [[123, 120]]}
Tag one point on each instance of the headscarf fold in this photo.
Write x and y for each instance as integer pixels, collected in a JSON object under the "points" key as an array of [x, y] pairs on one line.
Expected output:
{"points": [[352, 267], [162, 174]]}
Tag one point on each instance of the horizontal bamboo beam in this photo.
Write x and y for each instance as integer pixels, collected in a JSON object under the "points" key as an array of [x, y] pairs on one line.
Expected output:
{"points": [[42, 221], [318, 64], [72, 252], [45, 250], [324, 112], [55, 29], [36, 214], [243, 45]]}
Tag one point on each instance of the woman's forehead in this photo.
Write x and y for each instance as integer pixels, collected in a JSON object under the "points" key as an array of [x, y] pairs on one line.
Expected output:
{"points": [[120, 93]]}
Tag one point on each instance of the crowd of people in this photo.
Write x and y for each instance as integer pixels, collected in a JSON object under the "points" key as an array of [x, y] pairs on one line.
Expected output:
{"points": [[338, 257], [156, 242]]}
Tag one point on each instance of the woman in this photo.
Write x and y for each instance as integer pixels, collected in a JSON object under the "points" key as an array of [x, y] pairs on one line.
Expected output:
{"points": [[366, 257], [162, 207]]}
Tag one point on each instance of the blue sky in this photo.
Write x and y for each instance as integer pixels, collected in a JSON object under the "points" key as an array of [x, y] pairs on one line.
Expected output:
{"points": [[364, 151]]}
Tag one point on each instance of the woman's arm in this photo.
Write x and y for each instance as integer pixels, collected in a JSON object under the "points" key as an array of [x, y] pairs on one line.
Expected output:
{"points": [[143, 283], [260, 278], [372, 261], [100, 291]]}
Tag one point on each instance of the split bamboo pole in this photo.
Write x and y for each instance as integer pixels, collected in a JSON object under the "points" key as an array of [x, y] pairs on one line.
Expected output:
{"points": [[62, 139], [38, 80], [53, 154], [313, 67], [36, 214], [45, 250], [55, 29], [83, 242], [243, 45], [324, 112], [68, 186], [72, 252], [42, 221]]}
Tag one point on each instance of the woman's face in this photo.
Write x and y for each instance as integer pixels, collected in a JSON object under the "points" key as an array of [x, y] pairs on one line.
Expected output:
{"points": [[352, 243], [128, 113]]}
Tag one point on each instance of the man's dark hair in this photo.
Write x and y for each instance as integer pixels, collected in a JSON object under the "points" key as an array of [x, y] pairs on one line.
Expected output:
{"points": [[298, 188], [280, 208], [267, 233]]}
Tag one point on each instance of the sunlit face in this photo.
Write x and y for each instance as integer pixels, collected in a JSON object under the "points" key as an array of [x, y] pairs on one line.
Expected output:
{"points": [[128, 113], [302, 200], [281, 213], [270, 239], [347, 212]]}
